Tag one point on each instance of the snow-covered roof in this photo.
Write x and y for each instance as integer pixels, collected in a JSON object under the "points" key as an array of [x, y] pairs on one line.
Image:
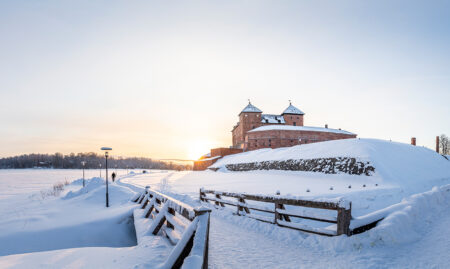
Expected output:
{"points": [[292, 110], [251, 108], [299, 128], [269, 118]]}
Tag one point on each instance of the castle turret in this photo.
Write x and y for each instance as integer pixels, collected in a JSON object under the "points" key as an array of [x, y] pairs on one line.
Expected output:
{"points": [[249, 118], [293, 116]]}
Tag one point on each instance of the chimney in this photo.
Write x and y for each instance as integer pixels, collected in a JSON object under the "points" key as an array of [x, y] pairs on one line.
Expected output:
{"points": [[437, 144], [413, 141], [326, 126]]}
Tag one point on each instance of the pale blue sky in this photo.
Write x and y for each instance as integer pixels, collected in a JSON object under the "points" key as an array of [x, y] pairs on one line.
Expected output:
{"points": [[167, 79]]}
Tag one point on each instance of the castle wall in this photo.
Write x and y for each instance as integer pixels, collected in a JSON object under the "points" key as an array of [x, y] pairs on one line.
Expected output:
{"points": [[287, 138], [296, 120], [247, 122]]}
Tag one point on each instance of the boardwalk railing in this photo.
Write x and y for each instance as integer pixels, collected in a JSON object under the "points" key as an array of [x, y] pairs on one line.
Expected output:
{"points": [[279, 215], [187, 228]]}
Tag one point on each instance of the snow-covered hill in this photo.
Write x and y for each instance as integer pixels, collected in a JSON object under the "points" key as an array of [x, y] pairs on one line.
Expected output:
{"points": [[395, 163]]}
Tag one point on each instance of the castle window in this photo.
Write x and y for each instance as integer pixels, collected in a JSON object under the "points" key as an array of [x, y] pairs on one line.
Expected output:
{"points": [[295, 124], [246, 115], [253, 127]]}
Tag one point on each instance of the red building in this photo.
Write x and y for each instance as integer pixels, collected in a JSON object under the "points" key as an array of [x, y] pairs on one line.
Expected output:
{"points": [[256, 130]]}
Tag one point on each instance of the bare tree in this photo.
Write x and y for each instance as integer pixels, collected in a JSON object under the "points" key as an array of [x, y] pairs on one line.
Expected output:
{"points": [[444, 144]]}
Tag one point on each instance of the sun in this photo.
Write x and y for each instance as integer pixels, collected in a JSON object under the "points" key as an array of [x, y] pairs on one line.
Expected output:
{"points": [[198, 148]]}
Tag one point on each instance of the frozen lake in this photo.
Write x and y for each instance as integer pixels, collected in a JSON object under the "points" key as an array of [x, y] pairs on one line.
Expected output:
{"points": [[25, 181]]}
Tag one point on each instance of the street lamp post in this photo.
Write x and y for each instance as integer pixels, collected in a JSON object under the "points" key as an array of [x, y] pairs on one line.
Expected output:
{"points": [[106, 149], [83, 163]]}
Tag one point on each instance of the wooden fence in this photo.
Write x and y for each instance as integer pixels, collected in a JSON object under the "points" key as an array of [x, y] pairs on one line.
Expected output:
{"points": [[281, 216], [187, 228]]}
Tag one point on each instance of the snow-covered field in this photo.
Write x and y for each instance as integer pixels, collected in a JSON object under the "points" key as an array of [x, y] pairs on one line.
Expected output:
{"points": [[75, 230]]}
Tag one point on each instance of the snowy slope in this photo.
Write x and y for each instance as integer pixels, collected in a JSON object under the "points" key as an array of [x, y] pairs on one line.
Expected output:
{"points": [[410, 237], [394, 162]]}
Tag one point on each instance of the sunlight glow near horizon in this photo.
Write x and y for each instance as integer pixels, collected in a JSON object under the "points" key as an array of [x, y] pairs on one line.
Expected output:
{"points": [[167, 80]]}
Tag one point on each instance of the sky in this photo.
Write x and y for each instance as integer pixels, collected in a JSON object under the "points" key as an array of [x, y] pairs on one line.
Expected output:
{"points": [[167, 79]]}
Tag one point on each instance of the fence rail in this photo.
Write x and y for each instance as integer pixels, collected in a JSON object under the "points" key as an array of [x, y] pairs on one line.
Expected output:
{"points": [[282, 216], [186, 227]]}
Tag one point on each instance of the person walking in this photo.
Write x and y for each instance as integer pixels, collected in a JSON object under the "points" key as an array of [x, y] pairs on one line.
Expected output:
{"points": [[113, 176]]}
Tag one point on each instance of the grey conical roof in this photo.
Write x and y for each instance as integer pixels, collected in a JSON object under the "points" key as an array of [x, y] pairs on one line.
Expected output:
{"points": [[251, 108], [292, 110]]}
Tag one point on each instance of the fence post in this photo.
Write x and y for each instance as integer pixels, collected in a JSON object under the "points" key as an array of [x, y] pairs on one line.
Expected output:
{"points": [[343, 220], [277, 215], [201, 195]]}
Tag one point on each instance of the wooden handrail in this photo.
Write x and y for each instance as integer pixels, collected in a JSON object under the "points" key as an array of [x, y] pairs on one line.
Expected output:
{"points": [[166, 216], [281, 215]]}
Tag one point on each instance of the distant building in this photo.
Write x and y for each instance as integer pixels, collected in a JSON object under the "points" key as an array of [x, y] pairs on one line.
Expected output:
{"points": [[256, 130]]}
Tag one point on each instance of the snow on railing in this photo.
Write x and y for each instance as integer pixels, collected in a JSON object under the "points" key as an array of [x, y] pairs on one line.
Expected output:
{"points": [[191, 240], [282, 216]]}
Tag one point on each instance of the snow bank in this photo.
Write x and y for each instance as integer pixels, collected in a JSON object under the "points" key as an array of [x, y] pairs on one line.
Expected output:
{"points": [[395, 162], [90, 184], [412, 216]]}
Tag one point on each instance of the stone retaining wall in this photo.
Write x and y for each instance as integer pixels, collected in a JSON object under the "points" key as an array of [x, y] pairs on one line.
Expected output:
{"points": [[323, 165]]}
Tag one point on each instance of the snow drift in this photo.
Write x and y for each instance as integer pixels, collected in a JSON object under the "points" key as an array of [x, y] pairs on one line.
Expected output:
{"points": [[392, 161]]}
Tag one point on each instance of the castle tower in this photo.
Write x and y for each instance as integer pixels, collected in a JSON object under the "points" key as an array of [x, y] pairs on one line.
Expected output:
{"points": [[293, 115], [249, 118]]}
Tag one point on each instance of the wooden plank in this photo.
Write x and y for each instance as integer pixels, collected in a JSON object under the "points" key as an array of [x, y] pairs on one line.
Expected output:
{"points": [[286, 217], [176, 224], [305, 228], [260, 218], [285, 201], [170, 212], [328, 219], [183, 209], [253, 207], [227, 202], [150, 209], [242, 203], [144, 204], [158, 222], [218, 199]]}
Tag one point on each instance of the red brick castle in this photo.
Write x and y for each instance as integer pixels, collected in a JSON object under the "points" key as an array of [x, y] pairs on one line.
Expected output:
{"points": [[256, 130]]}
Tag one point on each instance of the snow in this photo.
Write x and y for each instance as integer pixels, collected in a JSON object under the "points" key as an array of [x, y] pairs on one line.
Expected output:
{"points": [[410, 189], [251, 108], [269, 118], [299, 128], [395, 163], [293, 110]]}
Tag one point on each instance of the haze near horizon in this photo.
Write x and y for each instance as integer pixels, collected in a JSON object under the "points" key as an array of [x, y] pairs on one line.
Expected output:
{"points": [[167, 80]]}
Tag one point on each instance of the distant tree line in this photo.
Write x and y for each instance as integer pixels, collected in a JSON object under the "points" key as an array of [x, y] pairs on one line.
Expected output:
{"points": [[93, 160]]}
